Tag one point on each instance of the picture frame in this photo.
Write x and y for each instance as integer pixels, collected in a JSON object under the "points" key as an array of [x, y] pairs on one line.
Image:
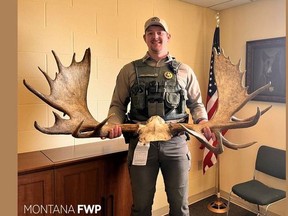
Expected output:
{"points": [[266, 62]]}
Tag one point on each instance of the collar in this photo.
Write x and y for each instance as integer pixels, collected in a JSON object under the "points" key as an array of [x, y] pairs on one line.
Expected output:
{"points": [[168, 58]]}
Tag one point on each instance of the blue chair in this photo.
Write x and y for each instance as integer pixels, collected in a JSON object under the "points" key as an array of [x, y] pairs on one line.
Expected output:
{"points": [[272, 162]]}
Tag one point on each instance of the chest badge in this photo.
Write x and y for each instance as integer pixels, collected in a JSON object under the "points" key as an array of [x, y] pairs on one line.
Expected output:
{"points": [[168, 75]]}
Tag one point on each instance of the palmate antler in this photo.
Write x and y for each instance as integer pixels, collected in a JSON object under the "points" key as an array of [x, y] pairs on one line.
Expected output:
{"points": [[69, 95], [232, 96]]}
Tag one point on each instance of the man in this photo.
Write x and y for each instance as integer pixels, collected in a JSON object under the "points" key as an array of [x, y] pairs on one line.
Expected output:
{"points": [[159, 85]]}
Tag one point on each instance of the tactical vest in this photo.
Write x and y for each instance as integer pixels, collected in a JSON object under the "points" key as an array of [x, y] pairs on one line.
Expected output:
{"points": [[156, 92]]}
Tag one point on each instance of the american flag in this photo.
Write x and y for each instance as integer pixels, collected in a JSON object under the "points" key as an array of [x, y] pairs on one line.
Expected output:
{"points": [[209, 158]]}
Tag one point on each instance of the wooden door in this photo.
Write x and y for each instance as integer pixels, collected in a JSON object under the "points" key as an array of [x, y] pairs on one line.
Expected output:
{"points": [[118, 189], [81, 184], [35, 193]]}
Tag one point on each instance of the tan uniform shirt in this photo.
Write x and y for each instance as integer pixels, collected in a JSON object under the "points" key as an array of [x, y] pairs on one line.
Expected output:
{"points": [[126, 78]]}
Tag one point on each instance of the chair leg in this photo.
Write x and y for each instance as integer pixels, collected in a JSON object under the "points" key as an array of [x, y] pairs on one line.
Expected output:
{"points": [[266, 210], [258, 212], [228, 204]]}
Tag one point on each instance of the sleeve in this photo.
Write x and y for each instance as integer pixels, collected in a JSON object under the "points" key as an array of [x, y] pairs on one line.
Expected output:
{"points": [[121, 94], [194, 99]]}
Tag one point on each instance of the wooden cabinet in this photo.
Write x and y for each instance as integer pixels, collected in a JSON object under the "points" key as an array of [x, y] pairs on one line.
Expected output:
{"points": [[90, 174]]}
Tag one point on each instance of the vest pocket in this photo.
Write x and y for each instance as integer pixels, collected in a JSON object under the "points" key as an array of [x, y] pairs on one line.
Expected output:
{"points": [[138, 96], [172, 99]]}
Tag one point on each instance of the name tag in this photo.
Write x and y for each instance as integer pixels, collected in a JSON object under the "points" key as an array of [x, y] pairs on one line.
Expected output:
{"points": [[141, 154]]}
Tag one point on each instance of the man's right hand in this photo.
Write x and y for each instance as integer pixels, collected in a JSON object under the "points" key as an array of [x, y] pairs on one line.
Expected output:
{"points": [[114, 131]]}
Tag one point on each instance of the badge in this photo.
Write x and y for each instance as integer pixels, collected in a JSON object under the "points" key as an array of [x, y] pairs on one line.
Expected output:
{"points": [[168, 75]]}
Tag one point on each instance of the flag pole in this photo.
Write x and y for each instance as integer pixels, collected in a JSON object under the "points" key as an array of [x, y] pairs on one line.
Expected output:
{"points": [[218, 206]]}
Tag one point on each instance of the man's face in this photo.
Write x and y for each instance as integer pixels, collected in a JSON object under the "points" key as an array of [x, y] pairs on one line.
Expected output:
{"points": [[156, 39]]}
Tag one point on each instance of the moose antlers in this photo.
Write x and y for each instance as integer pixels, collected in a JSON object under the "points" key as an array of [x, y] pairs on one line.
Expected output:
{"points": [[68, 94]]}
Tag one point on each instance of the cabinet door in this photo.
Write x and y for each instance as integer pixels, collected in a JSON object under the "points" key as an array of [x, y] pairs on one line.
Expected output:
{"points": [[81, 184], [118, 189], [35, 192]]}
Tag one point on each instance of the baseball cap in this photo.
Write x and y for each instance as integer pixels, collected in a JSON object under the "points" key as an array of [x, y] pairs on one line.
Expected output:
{"points": [[156, 21]]}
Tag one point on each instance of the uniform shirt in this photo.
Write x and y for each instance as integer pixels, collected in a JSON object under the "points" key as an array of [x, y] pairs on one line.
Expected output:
{"points": [[127, 76]]}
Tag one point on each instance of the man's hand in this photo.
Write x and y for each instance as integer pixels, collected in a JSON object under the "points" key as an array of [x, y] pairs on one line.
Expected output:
{"points": [[114, 131], [207, 132]]}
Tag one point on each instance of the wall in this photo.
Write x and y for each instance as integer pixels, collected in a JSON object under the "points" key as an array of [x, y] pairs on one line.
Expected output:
{"points": [[238, 25], [113, 30]]}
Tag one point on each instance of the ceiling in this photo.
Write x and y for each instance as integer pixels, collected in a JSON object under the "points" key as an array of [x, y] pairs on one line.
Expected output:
{"points": [[219, 4]]}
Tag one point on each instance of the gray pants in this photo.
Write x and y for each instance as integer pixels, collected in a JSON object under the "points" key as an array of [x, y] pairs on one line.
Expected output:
{"points": [[173, 158]]}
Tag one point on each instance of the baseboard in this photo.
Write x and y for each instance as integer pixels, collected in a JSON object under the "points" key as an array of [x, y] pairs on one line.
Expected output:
{"points": [[192, 199], [240, 202]]}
